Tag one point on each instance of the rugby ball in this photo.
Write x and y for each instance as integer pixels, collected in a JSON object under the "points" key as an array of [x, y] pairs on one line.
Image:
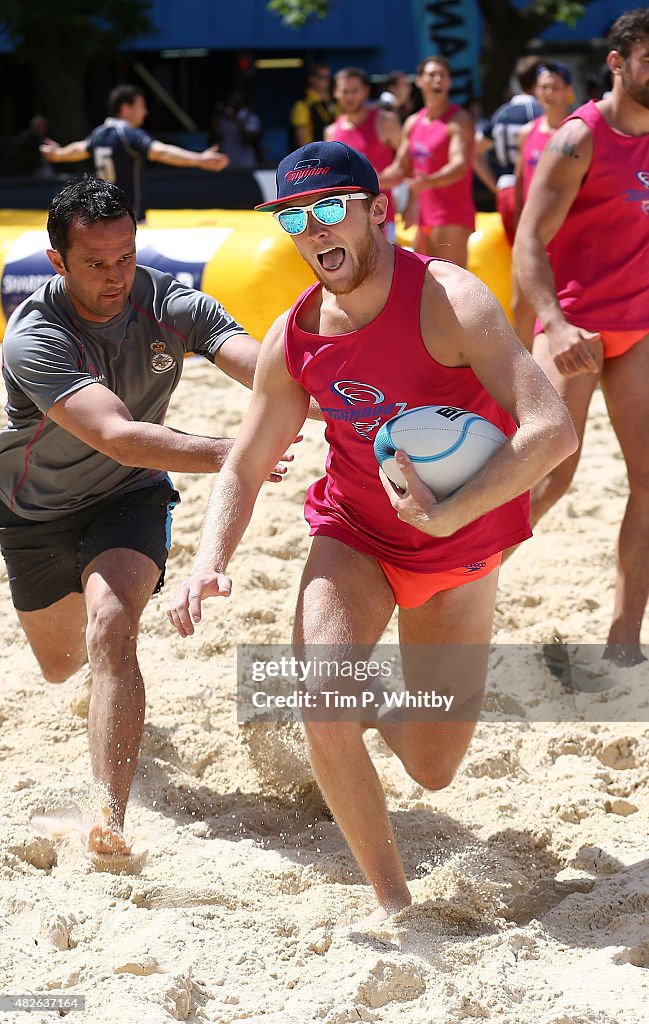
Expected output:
{"points": [[447, 446]]}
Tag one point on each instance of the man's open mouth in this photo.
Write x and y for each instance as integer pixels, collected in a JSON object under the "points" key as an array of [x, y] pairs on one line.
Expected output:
{"points": [[332, 259]]}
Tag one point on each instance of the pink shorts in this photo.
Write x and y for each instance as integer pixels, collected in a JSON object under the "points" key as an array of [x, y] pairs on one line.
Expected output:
{"points": [[615, 343], [412, 589]]}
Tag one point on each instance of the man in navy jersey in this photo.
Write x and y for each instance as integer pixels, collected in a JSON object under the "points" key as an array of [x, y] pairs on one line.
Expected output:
{"points": [[120, 146], [500, 140]]}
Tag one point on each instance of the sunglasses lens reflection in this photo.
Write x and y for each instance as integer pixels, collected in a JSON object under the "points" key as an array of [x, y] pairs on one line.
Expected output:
{"points": [[327, 211]]}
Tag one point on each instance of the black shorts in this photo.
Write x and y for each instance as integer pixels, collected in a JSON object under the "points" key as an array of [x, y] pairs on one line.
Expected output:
{"points": [[46, 559]]}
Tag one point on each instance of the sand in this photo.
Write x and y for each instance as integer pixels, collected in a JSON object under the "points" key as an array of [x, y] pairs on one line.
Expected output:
{"points": [[529, 874]]}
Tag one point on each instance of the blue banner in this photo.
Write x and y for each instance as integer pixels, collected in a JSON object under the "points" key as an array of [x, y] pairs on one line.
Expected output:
{"points": [[451, 29]]}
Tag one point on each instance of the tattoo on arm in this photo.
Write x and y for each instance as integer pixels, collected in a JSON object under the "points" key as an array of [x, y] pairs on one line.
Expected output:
{"points": [[565, 148]]}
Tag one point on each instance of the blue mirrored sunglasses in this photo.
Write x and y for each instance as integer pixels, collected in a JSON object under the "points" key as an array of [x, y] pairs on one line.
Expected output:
{"points": [[328, 211]]}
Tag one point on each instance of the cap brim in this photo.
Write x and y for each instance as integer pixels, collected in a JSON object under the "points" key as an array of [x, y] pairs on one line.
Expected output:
{"points": [[276, 204]]}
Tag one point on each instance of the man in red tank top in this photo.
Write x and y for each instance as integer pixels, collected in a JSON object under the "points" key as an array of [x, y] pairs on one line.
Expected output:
{"points": [[590, 199], [360, 563], [436, 155], [373, 131]]}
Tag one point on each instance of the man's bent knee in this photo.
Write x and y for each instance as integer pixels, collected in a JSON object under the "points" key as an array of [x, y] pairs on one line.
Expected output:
{"points": [[56, 671], [110, 626], [430, 775]]}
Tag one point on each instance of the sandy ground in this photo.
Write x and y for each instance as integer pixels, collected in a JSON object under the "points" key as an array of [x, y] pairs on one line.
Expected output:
{"points": [[529, 873]]}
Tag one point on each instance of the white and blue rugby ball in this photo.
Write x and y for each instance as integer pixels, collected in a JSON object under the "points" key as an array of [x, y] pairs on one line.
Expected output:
{"points": [[447, 446]]}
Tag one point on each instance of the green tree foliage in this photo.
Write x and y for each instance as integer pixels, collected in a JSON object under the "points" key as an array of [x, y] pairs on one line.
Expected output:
{"points": [[506, 31], [294, 13], [58, 39]]}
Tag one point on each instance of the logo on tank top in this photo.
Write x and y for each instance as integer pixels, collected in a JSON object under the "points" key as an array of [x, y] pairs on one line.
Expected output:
{"points": [[636, 195], [365, 406], [161, 361], [420, 151]]}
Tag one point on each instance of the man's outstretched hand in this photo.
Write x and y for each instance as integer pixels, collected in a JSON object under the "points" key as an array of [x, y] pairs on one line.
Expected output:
{"points": [[185, 607]]}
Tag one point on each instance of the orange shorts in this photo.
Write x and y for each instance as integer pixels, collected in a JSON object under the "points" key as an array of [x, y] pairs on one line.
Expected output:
{"points": [[412, 589], [615, 343]]}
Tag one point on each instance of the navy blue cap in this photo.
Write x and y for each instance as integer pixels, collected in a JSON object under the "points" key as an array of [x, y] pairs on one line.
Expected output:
{"points": [[556, 67], [322, 167]]}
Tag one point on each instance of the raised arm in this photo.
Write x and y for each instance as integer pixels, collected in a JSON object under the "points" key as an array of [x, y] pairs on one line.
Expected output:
{"points": [[556, 182], [460, 309], [56, 154], [208, 160], [277, 411]]}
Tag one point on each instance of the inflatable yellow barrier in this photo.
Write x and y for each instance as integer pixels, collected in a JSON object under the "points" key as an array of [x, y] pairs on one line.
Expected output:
{"points": [[490, 255], [241, 257]]}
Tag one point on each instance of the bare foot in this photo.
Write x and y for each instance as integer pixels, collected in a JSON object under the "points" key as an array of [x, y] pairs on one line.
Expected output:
{"points": [[80, 700], [107, 850], [108, 841], [384, 911]]}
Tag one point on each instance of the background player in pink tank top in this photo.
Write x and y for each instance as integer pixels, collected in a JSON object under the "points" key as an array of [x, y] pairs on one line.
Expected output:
{"points": [[436, 155], [554, 92], [373, 131], [590, 198], [346, 598]]}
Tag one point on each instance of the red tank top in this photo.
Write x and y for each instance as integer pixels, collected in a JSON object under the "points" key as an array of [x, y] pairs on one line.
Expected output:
{"points": [[365, 139], [600, 255], [429, 142], [533, 146], [362, 379]]}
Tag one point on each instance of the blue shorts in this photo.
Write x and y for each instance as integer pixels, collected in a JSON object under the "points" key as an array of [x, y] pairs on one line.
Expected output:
{"points": [[46, 559]]}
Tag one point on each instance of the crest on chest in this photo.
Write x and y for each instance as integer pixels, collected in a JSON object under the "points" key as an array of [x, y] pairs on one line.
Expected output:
{"points": [[161, 361]]}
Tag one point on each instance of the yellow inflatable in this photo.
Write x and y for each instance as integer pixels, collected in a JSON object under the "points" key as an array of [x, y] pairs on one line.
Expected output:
{"points": [[241, 257], [490, 255]]}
